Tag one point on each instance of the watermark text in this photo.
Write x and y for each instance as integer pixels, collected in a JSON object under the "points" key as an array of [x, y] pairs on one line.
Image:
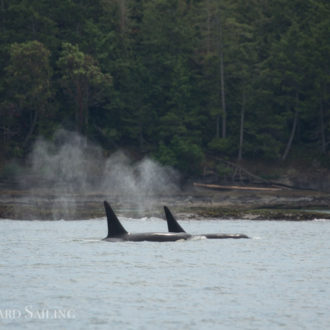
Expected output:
{"points": [[31, 313]]}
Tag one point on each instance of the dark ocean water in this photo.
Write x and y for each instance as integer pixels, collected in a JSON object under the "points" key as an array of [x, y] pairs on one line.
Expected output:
{"points": [[60, 274]]}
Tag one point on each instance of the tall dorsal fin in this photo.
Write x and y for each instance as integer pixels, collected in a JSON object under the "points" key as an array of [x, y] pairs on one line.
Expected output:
{"points": [[172, 224], [115, 228]]}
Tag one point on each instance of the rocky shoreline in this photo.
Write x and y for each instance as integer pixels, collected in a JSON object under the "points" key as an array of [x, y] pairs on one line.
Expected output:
{"points": [[193, 203]]}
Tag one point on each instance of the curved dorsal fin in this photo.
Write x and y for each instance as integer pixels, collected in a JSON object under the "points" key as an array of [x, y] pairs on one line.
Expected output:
{"points": [[115, 228], [172, 224]]}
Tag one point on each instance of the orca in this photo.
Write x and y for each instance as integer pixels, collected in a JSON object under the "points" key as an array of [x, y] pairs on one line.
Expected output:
{"points": [[173, 226], [117, 233]]}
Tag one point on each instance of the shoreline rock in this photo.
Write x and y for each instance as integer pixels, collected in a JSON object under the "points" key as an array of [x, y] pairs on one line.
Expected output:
{"points": [[195, 203]]}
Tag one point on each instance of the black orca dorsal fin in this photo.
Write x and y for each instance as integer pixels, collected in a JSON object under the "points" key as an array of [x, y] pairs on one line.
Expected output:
{"points": [[115, 228], [172, 224]]}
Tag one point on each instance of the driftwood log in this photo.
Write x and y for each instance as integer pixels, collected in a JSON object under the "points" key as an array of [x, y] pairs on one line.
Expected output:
{"points": [[216, 186]]}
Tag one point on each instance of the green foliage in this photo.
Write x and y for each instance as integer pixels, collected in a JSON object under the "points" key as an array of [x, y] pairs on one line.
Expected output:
{"points": [[10, 171], [166, 155], [223, 170], [82, 80], [28, 73], [182, 154], [220, 145], [168, 77], [28, 92]]}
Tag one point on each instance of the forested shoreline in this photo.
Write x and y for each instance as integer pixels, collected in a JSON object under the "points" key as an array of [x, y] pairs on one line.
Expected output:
{"points": [[173, 79]]}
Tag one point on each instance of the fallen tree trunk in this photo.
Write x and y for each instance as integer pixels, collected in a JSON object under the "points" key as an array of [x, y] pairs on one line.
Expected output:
{"points": [[216, 186]]}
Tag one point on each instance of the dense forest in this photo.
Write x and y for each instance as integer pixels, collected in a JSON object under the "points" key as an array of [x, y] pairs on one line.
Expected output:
{"points": [[174, 79]]}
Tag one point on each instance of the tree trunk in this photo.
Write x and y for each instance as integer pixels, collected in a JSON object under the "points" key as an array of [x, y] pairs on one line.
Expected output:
{"points": [[31, 129], [2, 15], [123, 14], [293, 132], [223, 101], [79, 108], [141, 139], [241, 132], [86, 113], [80, 113], [208, 22], [222, 83], [322, 128], [217, 126]]}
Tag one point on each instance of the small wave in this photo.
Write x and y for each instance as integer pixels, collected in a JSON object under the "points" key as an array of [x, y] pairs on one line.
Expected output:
{"points": [[85, 240], [198, 238]]}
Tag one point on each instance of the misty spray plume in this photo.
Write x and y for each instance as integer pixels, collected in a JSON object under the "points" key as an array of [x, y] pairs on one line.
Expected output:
{"points": [[73, 170]]}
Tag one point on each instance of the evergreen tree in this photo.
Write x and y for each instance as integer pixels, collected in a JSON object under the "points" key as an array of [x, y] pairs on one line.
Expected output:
{"points": [[83, 82], [28, 75]]}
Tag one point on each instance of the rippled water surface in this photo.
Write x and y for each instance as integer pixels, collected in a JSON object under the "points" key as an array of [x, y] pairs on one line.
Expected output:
{"points": [[60, 274]]}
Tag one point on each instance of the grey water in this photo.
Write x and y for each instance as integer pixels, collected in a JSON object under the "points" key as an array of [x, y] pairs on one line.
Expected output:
{"points": [[61, 275]]}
